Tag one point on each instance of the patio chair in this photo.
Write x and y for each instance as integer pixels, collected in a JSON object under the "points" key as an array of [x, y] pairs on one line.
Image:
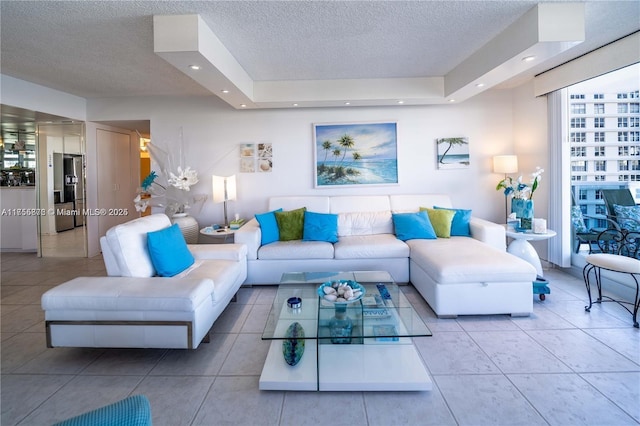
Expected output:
{"points": [[624, 216], [613, 197], [593, 237]]}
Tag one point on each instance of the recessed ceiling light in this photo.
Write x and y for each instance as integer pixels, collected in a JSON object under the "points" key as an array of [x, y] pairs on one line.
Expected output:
{"points": [[347, 103], [528, 58], [194, 67], [243, 106], [480, 85], [400, 102], [225, 91], [452, 100], [295, 104]]}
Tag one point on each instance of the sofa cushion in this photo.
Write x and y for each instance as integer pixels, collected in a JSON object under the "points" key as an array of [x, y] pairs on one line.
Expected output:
{"points": [[268, 226], [128, 243], [291, 224], [365, 223], [460, 224], [441, 221], [409, 226], [168, 251], [128, 294], [223, 273], [378, 246], [463, 260], [298, 249], [320, 227]]}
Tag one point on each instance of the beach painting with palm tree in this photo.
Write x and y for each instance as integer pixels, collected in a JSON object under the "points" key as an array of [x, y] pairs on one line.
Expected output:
{"points": [[453, 153], [355, 154]]}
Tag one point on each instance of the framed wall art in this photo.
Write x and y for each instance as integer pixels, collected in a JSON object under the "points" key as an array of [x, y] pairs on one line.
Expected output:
{"points": [[453, 153], [256, 157], [355, 154]]}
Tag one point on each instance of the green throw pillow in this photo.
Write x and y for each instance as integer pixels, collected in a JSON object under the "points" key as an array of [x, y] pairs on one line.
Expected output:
{"points": [[291, 224], [441, 221]]}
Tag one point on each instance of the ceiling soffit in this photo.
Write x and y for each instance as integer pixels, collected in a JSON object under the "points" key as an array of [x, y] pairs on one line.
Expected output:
{"points": [[546, 30]]}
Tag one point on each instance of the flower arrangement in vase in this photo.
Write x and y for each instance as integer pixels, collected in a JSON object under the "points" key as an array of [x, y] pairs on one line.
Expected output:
{"points": [[522, 196], [175, 195]]}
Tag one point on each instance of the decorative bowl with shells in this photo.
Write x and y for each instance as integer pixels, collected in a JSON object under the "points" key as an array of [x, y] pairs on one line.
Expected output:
{"points": [[341, 291]]}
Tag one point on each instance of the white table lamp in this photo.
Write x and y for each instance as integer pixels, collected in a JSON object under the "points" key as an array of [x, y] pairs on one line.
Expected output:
{"points": [[224, 189], [505, 164]]}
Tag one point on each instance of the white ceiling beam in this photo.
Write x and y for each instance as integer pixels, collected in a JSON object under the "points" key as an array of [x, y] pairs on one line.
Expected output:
{"points": [[360, 92], [185, 40], [543, 32]]}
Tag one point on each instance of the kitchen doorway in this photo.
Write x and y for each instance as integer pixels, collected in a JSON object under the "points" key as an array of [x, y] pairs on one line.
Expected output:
{"points": [[61, 189]]}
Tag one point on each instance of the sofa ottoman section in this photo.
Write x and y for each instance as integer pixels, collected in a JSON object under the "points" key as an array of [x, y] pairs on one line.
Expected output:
{"points": [[129, 312], [462, 276]]}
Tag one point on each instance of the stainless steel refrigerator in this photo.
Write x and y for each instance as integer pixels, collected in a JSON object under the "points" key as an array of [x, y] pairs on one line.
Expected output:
{"points": [[74, 185]]}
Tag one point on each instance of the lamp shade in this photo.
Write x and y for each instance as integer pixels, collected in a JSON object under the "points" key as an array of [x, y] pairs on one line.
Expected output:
{"points": [[224, 188], [505, 164]]}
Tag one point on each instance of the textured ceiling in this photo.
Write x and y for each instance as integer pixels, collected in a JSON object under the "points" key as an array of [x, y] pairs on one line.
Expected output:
{"points": [[98, 49]]}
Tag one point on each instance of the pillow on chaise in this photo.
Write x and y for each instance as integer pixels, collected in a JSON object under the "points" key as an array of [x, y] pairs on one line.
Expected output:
{"points": [[168, 251], [291, 224], [460, 224], [409, 226], [320, 227], [268, 227], [441, 221]]}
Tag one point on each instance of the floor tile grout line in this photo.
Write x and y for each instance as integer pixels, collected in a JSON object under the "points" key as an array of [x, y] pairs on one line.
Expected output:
{"points": [[606, 397]]}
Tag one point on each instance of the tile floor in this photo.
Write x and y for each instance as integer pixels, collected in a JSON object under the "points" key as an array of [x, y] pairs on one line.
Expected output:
{"points": [[561, 366]]}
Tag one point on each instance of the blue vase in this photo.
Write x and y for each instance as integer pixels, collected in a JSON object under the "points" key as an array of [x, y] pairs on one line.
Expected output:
{"points": [[340, 326], [523, 210]]}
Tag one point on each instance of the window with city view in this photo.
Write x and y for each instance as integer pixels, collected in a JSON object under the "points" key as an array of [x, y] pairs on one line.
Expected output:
{"points": [[604, 134]]}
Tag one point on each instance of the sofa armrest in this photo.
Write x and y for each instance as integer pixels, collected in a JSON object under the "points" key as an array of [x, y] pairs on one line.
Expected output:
{"points": [[251, 236], [235, 252], [489, 233]]}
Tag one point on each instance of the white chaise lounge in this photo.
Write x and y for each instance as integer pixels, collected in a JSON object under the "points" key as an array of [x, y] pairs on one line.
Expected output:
{"points": [[134, 308]]}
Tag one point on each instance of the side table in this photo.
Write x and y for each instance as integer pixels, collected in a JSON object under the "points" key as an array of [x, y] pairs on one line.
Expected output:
{"points": [[221, 235], [521, 247]]}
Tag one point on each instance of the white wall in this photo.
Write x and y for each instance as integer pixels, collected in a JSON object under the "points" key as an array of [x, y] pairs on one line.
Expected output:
{"points": [[531, 146], [212, 132], [22, 94]]}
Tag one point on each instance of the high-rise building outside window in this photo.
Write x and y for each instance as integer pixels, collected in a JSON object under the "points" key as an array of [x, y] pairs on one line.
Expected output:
{"points": [[603, 119]]}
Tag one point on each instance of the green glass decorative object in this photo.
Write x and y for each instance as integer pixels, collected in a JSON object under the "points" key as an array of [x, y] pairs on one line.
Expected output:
{"points": [[293, 344]]}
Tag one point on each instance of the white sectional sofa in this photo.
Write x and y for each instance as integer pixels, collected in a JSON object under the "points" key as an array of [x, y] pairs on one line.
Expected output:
{"points": [[134, 308], [456, 276]]}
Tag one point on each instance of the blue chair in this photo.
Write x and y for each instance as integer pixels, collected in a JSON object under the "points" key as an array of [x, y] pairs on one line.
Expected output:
{"points": [[132, 411]]}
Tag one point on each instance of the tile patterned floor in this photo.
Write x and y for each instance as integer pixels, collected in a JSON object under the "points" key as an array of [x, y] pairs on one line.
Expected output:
{"points": [[560, 366]]}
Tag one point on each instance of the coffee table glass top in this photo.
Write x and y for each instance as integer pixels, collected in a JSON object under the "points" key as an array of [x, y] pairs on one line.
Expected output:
{"points": [[374, 317]]}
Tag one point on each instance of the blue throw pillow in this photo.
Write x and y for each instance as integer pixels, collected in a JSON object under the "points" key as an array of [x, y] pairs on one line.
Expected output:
{"points": [[168, 251], [320, 227], [410, 226], [460, 224], [268, 226]]}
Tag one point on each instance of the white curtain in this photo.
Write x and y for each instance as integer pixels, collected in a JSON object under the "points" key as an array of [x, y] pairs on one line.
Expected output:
{"points": [[559, 179]]}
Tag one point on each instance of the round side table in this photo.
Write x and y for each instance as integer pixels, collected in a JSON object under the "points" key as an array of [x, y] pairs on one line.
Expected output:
{"points": [[520, 247], [224, 234]]}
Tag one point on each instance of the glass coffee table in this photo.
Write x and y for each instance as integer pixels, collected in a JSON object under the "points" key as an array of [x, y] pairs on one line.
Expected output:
{"points": [[366, 345]]}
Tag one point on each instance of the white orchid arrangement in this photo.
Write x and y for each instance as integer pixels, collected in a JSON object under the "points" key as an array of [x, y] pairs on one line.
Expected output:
{"points": [[184, 179], [518, 189], [173, 195]]}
